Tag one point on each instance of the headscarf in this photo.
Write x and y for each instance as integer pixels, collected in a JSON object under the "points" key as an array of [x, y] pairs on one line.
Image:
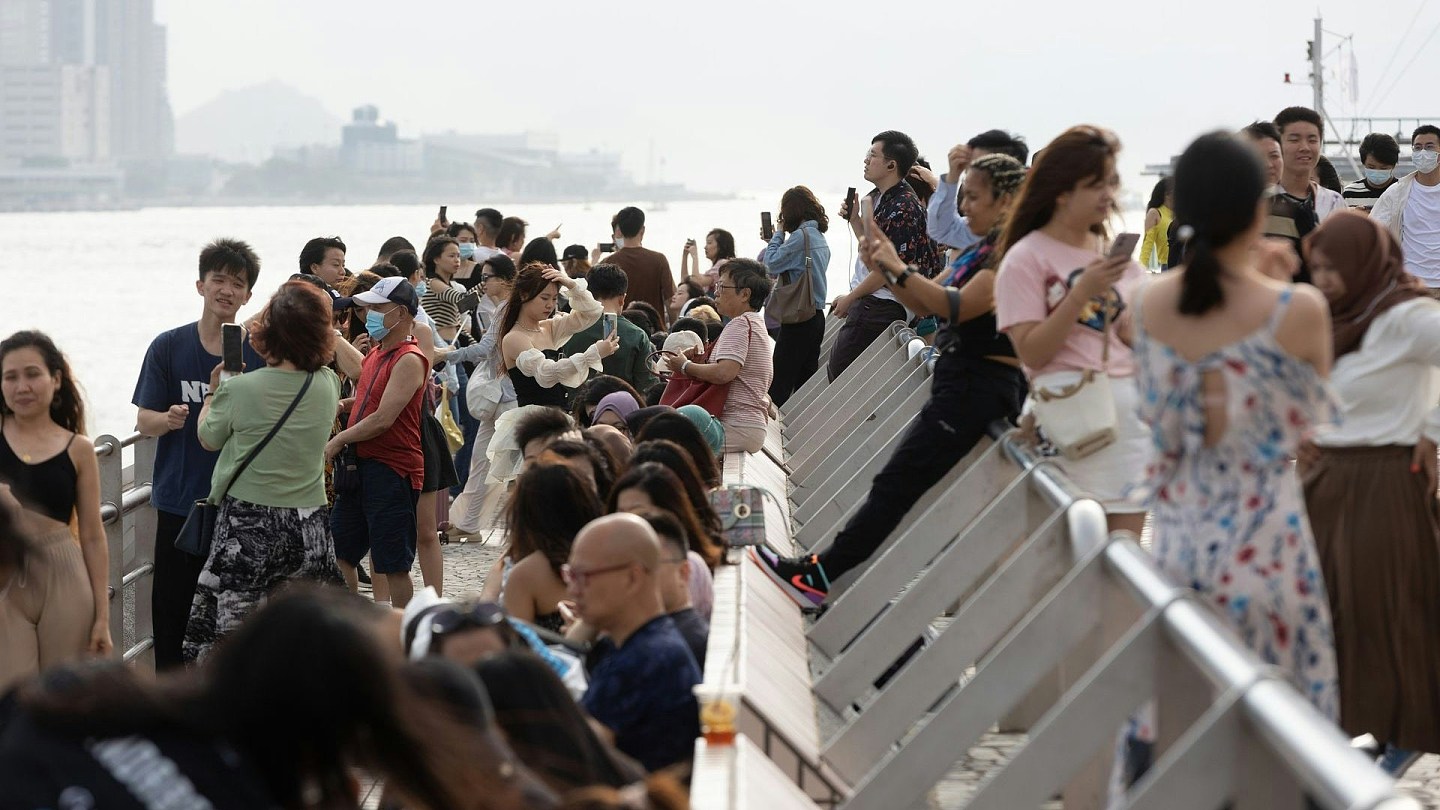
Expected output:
{"points": [[709, 426], [1367, 257], [620, 402]]}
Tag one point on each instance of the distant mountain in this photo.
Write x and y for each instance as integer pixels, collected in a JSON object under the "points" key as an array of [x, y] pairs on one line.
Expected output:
{"points": [[248, 124]]}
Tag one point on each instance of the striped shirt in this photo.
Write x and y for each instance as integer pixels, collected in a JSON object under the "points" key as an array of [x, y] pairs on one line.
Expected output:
{"points": [[746, 342], [1360, 195]]}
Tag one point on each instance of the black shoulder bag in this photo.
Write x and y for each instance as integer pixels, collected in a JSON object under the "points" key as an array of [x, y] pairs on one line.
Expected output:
{"points": [[199, 530]]}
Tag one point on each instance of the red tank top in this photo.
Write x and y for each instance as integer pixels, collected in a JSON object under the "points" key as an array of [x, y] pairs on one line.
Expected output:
{"points": [[398, 447]]}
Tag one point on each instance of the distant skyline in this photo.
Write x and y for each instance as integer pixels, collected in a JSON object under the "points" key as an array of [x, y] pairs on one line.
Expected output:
{"points": [[754, 95]]}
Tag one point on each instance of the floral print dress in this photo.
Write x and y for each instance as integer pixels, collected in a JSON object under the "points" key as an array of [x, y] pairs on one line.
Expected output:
{"points": [[1229, 519]]}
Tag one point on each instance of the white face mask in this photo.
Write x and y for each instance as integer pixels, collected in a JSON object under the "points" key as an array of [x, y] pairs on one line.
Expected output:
{"points": [[1377, 177], [619, 242], [1425, 161]]}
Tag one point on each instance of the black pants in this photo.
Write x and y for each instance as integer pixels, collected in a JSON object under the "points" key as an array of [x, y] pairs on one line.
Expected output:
{"points": [[172, 590], [797, 356], [863, 323], [950, 425]]}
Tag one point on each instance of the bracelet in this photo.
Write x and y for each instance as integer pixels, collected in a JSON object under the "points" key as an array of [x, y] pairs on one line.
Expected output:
{"points": [[900, 279], [684, 366]]}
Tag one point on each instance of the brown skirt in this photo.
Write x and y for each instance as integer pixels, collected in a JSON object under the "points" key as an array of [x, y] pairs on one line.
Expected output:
{"points": [[1377, 531]]}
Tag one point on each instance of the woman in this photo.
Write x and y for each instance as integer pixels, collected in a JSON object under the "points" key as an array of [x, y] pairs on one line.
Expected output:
{"points": [[1370, 493], [1062, 302], [549, 506], [679, 426], [614, 409], [678, 460], [653, 485], [590, 394], [589, 461], [1159, 213], [797, 349], [547, 729], [273, 523], [976, 380], [741, 357], [685, 292], [1231, 374], [445, 301], [540, 250], [465, 237], [57, 607], [719, 248], [269, 721], [511, 237], [530, 341]]}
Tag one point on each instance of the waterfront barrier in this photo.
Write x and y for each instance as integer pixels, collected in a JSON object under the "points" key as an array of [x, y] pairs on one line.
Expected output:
{"points": [[129, 521], [1000, 604]]}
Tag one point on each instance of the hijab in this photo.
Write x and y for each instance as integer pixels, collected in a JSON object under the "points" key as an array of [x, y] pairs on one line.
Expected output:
{"points": [[620, 402], [1368, 258]]}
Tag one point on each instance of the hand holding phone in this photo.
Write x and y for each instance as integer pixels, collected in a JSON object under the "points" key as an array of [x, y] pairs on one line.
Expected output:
{"points": [[232, 358], [611, 323], [607, 247], [1124, 245], [767, 228], [848, 209], [442, 216]]}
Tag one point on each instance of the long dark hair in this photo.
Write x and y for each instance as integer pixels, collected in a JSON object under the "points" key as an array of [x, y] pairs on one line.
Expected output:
{"points": [[667, 492], [674, 426], [529, 283], [549, 506], [1082, 154], [433, 249], [282, 689], [68, 407], [540, 250], [724, 244], [679, 461], [799, 204], [600, 386], [1218, 184], [545, 727], [1162, 188]]}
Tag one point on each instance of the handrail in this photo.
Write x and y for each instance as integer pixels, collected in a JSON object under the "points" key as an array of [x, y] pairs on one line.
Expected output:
{"points": [[129, 521]]}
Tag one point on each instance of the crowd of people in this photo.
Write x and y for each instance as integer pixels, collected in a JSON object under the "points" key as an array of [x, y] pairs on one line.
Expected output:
{"points": [[377, 412]]}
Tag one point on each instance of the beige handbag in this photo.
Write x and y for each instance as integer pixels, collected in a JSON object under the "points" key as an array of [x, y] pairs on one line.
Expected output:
{"points": [[1079, 418]]}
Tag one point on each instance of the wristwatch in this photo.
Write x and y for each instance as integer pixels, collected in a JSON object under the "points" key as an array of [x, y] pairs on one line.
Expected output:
{"points": [[899, 281]]}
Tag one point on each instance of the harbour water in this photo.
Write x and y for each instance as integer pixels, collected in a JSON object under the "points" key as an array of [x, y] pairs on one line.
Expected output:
{"points": [[103, 284]]}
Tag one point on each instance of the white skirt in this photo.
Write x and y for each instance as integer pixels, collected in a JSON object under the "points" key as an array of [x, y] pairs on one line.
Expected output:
{"points": [[1107, 474]]}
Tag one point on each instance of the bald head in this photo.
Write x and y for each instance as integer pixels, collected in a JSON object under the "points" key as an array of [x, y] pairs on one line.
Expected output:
{"points": [[620, 538], [612, 575]]}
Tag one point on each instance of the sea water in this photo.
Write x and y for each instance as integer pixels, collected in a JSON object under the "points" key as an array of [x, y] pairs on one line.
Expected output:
{"points": [[103, 284]]}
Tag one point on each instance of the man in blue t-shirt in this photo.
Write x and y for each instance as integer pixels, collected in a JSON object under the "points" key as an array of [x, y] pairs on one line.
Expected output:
{"points": [[641, 689], [174, 381]]}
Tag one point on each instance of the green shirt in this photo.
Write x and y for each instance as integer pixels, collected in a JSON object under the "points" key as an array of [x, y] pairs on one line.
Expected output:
{"points": [[290, 471], [630, 362]]}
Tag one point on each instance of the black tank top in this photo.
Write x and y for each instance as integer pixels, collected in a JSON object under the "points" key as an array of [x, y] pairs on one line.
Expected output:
{"points": [[528, 391], [47, 487]]}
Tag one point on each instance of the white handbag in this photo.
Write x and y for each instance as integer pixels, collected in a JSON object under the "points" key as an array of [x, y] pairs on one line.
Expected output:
{"points": [[1078, 417]]}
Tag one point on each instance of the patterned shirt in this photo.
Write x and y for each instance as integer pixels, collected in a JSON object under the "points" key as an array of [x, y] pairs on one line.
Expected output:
{"points": [[642, 692], [901, 217]]}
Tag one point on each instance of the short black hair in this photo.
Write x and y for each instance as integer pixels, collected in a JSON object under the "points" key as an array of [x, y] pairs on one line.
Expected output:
{"points": [[393, 244], [1425, 129], [406, 262], [500, 265], [1326, 175], [456, 227], [1299, 115], [1001, 142], [314, 251], [748, 274], [899, 147], [1380, 146], [540, 424], [511, 228], [692, 325], [233, 257], [1260, 130], [607, 280], [628, 220], [489, 219], [640, 318]]}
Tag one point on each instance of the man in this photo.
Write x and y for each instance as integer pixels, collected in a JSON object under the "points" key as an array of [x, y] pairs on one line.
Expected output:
{"points": [[174, 381], [390, 247], [1302, 139], [641, 687], [488, 393], [1379, 153], [942, 216], [1290, 218], [631, 363], [648, 271], [1411, 209], [675, 573], [510, 238], [324, 257], [384, 426], [868, 308], [487, 230]]}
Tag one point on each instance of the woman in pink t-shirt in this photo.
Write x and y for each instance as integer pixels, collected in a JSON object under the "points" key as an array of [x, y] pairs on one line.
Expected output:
{"points": [[1052, 293]]}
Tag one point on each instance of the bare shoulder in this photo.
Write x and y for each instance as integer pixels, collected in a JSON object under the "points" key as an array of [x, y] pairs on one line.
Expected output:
{"points": [[1308, 303]]}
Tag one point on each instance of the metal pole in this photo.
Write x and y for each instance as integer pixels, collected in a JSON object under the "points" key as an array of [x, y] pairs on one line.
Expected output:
{"points": [[1317, 66]]}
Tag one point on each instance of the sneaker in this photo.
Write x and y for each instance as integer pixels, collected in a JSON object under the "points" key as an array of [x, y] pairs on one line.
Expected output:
{"points": [[1396, 761], [803, 580]]}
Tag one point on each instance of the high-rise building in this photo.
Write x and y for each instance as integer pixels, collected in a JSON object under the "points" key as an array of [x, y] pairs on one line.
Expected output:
{"points": [[132, 45]]}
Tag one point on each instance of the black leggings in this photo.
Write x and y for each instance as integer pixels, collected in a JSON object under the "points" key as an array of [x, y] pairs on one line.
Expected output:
{"points": [[172, 590], [797, 356]]}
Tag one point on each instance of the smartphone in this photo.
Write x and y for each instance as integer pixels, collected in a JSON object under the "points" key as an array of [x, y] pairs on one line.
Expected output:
{"points": [[608, 247], [610, 322], [232, 339], [767, 228], [850, 201], [867, 214], [1124, 245], [484, 319], [443, 209]]}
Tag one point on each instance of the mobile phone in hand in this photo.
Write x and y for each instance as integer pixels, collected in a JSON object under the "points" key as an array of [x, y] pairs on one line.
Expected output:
{"points": [[608, 247], [610, 320], [1124, 245], [232, 360], [443, 209], [850, 201], [767, 228]]}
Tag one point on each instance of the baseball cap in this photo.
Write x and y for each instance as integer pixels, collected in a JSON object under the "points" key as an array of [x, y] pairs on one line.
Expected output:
{"points": [[390, 290], [574, 252], [336, 300]]}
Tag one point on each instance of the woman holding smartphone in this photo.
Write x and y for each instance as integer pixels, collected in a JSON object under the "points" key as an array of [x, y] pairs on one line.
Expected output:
{"points": [[1062, 300], [798, 246]]}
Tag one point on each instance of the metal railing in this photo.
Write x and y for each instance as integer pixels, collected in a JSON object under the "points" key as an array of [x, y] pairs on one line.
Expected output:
{"points": [[129, 521]]}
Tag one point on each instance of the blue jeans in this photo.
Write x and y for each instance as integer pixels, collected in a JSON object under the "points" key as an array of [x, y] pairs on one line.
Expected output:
{"points": [[468, 427]]}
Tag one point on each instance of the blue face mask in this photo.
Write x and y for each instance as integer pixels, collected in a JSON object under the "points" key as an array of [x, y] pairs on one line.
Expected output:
{"points": [[375, 325], [422, 288], [1378, 177], [467, 250]]}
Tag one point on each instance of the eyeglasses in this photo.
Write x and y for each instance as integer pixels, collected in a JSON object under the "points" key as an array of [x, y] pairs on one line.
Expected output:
{"points": [[726, 287], [581, 579]]}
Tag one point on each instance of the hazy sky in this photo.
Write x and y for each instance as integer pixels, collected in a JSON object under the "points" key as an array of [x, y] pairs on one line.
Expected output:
{"points": [[739, 94]]}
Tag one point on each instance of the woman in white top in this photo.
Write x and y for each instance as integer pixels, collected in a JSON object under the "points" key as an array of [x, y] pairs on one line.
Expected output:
{"points": [[1370, 488]]}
